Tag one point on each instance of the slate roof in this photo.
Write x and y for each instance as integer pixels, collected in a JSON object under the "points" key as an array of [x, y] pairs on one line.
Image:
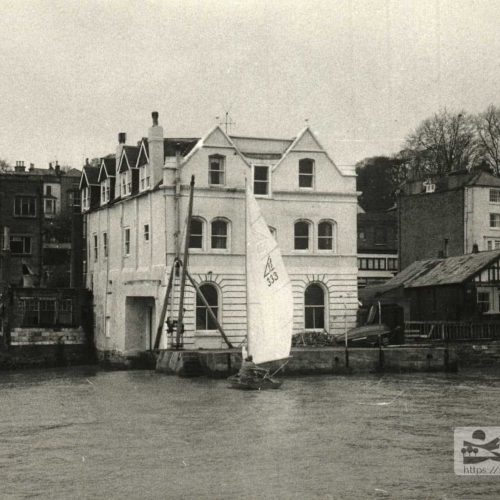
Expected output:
{"points": [[186, 145], [169, 146], [453, 181], [91, 173], [110, 164], [256, 147], [483, 179], [131, 152]]}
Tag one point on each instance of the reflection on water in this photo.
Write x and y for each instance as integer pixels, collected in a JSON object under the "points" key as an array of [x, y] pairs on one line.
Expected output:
{"points": [[81, 433]]}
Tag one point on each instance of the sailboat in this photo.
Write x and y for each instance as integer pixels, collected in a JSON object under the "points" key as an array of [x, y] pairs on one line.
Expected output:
{"points": [[269, 302]]}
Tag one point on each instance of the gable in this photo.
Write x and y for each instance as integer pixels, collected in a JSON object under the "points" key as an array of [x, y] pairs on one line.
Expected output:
{"points": [[123, 165], [103, 174], [143, 153], [306, 142], [83, 181], [217, 138]]}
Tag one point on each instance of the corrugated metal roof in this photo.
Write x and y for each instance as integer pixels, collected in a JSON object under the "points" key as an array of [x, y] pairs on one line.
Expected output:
{"points": [[433, 272], [454, 270]]}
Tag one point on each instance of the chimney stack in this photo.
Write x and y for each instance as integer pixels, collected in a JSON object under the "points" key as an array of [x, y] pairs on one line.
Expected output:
{"points": [[122, 139], [156, 150], [19, 166], [58, 168]]}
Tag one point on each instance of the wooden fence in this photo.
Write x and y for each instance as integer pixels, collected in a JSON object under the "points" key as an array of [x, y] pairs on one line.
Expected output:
{"points": [[451, 331]]}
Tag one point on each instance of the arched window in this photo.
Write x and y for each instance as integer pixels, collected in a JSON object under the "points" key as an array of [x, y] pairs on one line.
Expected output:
{"points": [[325, 235], [306, 173], [203, 319], [219, 234], [196, 234], [301, 235], [314, 307]]}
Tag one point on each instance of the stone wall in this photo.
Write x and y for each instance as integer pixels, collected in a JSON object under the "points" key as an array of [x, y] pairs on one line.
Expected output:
{"points": [[44, 336]]}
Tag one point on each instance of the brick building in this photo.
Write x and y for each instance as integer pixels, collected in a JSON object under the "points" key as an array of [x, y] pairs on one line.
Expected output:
{"points": [[39, 207], [448, 216], [377, 247]]}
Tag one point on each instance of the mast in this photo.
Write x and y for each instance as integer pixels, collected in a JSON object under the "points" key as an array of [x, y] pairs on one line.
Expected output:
{"points": [[184, 267], [246, 264]]}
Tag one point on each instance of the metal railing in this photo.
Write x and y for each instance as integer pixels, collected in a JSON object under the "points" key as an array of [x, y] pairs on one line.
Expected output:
{"points": [[451, 331]]}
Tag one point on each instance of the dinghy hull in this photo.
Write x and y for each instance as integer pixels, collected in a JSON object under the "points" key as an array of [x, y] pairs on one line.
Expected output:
{"points": [[254, 383]]}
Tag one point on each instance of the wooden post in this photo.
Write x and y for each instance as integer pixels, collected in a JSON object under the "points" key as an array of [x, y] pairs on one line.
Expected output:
{"points": [[163, 313], [209, 309], [184, 267]]}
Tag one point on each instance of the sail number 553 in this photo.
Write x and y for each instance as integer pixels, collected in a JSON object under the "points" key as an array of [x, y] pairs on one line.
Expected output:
{"points": [[272, 278]]}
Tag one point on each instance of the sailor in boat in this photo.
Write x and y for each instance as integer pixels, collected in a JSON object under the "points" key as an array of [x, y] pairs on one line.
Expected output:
{"points": [[249, 370]]}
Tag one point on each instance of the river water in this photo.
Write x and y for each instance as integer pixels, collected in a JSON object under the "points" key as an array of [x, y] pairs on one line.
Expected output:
{"points": [[85, 433]]}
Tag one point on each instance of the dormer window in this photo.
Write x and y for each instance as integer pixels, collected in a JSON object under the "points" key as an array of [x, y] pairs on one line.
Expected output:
{"points": [[105, 191], [126, 183], [261, 180], [306, 173], [216, 168], [144, 178], [85, 198]]}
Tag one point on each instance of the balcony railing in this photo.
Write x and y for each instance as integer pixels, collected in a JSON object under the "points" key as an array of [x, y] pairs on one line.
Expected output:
{"points": [[451, 331]]}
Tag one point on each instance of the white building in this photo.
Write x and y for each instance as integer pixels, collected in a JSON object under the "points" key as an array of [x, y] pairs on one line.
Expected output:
{"points": [[135, 210]]}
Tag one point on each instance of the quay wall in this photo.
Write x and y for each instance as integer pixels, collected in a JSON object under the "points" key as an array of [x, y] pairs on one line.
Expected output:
{"points": [[45, 356], [314, 361], [478, 354], [44, 348]]}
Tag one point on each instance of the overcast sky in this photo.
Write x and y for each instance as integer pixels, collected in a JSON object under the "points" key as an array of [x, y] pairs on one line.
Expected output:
{"points": [[363, 73]]}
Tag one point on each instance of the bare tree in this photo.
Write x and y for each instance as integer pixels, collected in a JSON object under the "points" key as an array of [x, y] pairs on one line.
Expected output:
{"points": [[4, 165], [487, 127], [441, 144]]}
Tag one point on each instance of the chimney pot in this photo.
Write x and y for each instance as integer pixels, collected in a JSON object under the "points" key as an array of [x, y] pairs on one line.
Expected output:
{"points": [[154, 114], [122, 138], [87, 161]]}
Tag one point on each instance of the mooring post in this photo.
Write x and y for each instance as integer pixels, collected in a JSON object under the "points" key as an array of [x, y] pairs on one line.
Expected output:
{"points": [[380, 354]]}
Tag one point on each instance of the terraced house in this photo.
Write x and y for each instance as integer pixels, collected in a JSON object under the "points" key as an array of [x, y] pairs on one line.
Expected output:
{"points": [[135, 207]]}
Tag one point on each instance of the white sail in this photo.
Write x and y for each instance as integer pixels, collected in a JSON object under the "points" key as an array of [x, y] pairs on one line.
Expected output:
{"points": [[269, 291]]}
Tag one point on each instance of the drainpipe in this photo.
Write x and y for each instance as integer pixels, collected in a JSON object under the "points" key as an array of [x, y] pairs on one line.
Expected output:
{"points": [[40, 232]]}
